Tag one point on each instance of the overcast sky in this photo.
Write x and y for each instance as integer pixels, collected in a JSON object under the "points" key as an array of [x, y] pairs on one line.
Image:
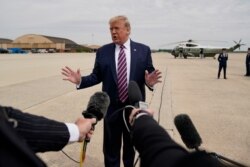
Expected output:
{"points": [[154, 22]]}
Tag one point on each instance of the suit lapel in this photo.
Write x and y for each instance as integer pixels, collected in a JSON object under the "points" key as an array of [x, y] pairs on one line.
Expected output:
{"points": [[113, 66], [133, 51]]}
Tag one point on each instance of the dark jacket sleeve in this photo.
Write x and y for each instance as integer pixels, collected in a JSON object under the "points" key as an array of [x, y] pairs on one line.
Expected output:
{"points": [[248, 58], [40, 133], [154, 144], [95, 77], [219, 58], [150, 67], [157, 149]]}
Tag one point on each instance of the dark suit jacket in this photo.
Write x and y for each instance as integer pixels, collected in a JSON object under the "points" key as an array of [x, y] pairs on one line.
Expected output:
{"points": [[223, 59], [40, 134], [157, 149], [105, 70], [248, 58]]}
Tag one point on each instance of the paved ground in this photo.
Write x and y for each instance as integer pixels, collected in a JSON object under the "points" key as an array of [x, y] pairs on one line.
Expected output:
{"points": [[220, 109]]}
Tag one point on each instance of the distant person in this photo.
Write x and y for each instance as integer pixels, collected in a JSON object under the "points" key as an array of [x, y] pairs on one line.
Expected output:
{"points": [[223, 57], [116, 64], [202, 53], [248, 63], [181, 53], [24, 134]]}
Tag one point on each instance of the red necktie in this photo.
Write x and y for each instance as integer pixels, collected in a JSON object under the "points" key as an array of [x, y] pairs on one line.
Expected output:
{"points": [[122, 75]]}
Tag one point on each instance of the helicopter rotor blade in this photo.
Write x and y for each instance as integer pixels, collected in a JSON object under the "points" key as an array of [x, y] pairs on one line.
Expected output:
{"points": [[213, 41], [173, 43]]}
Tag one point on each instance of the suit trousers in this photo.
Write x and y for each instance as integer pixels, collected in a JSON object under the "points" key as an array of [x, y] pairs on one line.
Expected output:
{"points": [[224, 67], [247, 69], [114, 131]]}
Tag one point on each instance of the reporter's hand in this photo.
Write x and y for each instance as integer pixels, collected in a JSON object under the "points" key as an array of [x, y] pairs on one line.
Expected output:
{"points": [[84, 125], [72, 76], [135, 112]]}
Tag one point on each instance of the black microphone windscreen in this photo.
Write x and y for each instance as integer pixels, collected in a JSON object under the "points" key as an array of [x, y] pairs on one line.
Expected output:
{"points": [[134, 93], [97, 106], [188, 132]]}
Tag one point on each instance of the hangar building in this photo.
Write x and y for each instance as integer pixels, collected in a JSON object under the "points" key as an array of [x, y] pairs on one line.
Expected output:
{"points": [[34, 41], [4, 43]]}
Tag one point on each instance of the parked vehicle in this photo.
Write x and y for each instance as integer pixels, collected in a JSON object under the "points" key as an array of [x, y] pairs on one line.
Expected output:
{"points": [[16, 50], [3, 50]]}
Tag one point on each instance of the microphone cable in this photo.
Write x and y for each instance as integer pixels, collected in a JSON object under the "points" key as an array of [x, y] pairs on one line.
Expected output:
{"points": [[123, 116], [70, 157]]}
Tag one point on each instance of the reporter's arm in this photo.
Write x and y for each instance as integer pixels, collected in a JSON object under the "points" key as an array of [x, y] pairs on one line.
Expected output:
{"points": [[157, 149], [40, 133], [154, 144], [43, 134]]}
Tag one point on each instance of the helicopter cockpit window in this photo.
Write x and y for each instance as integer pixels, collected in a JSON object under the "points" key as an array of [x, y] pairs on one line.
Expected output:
{"points": [[190, 45]]}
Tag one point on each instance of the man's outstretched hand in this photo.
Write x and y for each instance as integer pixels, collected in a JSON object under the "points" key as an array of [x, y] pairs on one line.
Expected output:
{"points": [[72, 76], [152, 78]]}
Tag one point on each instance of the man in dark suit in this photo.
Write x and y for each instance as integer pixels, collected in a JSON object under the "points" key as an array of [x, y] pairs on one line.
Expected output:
{"points": [[115, 65], [248, 63], [201, 53], [223, 57], [23, 134]]}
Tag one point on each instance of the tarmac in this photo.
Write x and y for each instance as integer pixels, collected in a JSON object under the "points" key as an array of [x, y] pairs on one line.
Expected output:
{"points": [[219, 108]]}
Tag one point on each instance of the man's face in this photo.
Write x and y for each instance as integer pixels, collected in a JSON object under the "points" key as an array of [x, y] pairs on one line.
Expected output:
{"points": [[119, 33]]}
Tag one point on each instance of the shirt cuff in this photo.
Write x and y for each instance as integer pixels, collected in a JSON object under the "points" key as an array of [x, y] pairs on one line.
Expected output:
{"points": [[74, 133], [150, 87], [140, 114], [78, 86]]}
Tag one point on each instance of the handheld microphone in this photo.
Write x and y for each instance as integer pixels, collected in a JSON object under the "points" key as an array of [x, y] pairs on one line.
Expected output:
{"points": [[97, 106], [135, 96], [188, 132], [135, 101], [192, 139]]}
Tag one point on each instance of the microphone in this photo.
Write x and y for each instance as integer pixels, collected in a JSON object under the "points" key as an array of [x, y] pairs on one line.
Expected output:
{"points": [[192, 139], [135, 96], [188, 132], [97, 106]]}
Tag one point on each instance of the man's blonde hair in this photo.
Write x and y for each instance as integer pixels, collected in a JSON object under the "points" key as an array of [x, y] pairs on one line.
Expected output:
{"points": [[121, 18]]}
